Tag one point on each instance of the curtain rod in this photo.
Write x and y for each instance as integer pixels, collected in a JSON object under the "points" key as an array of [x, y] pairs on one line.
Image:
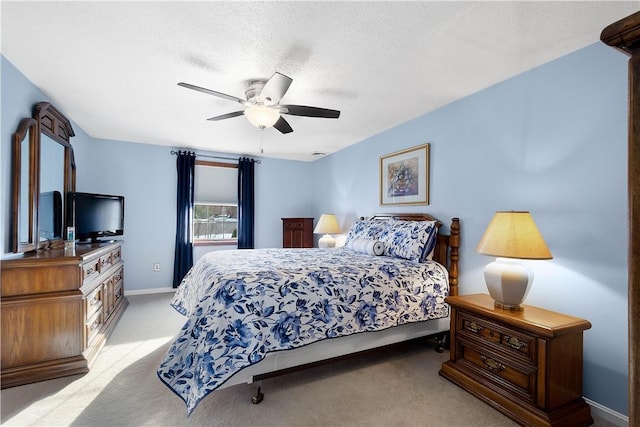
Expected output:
{"points": [[175, 153]]}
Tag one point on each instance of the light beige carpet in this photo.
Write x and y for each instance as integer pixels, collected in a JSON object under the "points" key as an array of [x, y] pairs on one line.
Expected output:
{"points": [[401, 388]]}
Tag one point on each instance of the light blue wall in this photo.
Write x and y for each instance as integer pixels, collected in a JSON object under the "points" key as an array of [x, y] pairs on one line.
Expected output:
{"points": [[552, 141]]}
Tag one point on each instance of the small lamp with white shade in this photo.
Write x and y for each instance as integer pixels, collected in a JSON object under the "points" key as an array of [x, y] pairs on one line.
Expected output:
{"points": [[327, 225], [511, 235]]}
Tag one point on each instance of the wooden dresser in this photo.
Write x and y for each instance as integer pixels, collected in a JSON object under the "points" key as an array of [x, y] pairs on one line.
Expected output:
{"points": [[297, 232], [526, 364], [58, 308]]}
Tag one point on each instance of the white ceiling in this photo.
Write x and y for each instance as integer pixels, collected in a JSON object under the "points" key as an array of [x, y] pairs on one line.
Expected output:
{"points": [[113, 67]]}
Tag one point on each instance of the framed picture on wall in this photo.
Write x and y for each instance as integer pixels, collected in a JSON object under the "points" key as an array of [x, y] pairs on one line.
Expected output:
{"points": [[404, 177]]}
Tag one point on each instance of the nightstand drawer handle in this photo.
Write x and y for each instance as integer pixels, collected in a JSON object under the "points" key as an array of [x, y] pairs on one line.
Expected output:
{"points": [[472, 326], [514, 342], [492, 365]]}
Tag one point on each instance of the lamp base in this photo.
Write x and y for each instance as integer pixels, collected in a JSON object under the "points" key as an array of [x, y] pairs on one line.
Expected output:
{"points": [[508, 283], [326, 241], [518, 307]]}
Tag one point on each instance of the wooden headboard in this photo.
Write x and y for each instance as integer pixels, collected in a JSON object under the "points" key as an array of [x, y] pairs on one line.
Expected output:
{"points": [[447, 245]]}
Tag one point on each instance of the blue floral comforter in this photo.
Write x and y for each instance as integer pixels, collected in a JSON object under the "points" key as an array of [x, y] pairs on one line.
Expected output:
{"points": [[243, 304]]}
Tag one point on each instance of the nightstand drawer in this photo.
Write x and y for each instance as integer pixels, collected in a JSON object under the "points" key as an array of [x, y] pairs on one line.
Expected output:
{"points": [[516, 343], [505, 374]]}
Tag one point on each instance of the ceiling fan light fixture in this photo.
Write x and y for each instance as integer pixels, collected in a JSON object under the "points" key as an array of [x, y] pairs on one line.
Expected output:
{"points": [[262, 116]]}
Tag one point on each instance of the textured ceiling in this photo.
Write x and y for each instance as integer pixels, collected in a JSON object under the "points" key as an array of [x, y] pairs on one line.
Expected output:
{"points": [[113, 66]]}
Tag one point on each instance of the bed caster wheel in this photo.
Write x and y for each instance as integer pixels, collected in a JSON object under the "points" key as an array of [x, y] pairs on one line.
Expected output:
{"points": [[257, 398], [442, 343]]}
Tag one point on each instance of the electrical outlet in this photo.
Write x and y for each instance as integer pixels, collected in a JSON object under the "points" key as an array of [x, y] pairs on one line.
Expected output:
{"points": [[156, 266]]}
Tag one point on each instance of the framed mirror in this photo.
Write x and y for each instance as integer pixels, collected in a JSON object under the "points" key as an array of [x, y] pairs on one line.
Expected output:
{"points": [[44, 172], [25, 167]]}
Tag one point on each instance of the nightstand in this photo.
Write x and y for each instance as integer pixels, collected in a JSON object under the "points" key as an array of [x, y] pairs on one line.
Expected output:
{"points": [[297, 232], [526, 364]]}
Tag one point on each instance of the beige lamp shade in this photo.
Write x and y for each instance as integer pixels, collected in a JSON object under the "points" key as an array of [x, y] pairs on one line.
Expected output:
{"points": [[513, 234], [328, 224]]}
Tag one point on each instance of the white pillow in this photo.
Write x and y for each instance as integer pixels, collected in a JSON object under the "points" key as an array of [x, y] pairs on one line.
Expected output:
{"points": [[366, 246]]}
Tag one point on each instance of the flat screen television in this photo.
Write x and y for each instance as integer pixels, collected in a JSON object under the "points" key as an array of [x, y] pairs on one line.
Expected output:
{"points": [[95, 216]]}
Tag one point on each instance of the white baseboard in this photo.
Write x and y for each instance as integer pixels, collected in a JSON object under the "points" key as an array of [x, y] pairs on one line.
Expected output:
{"points": [[148, 291], [608, 414]]}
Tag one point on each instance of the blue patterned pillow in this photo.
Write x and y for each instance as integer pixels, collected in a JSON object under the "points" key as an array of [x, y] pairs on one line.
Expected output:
{"points": [[412, 240], [368, 229]]}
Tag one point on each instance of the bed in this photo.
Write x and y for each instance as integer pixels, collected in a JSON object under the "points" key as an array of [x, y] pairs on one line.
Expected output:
{"points": [[253, 314]]}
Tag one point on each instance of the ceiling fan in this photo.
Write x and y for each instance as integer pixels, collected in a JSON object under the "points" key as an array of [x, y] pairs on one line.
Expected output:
{"points": [[262, 106]]}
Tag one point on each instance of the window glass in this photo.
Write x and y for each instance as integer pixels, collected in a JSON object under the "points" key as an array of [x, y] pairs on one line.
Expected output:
{"points": [[215, 213]]}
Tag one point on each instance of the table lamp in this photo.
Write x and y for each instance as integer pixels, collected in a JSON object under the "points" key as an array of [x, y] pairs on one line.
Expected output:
{"points": [[327, 225], [511, 235]]}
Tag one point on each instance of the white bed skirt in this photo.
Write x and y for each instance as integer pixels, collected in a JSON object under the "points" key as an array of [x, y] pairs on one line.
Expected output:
{"points": [[334, 347]]}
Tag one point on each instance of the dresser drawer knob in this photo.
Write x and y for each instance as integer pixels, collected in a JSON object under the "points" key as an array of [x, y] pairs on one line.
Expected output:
{"points": [[472, 326], [492, 365], [514, 342]]}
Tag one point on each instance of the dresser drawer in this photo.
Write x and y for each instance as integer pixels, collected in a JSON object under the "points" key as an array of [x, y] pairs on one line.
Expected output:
{"points": [[515, 343], [116, 255], [293, 225], [505, 374], [117, 276], [118, 293], [105, 262], [94, 326], [90, 269], [93, 302]]}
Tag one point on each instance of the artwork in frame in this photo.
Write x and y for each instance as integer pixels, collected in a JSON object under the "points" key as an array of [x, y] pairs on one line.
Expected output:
{"points": [[404, 177]]}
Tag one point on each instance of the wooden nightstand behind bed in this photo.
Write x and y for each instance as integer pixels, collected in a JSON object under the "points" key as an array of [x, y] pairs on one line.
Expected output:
{"points": [[526, 364], [297, 232]]}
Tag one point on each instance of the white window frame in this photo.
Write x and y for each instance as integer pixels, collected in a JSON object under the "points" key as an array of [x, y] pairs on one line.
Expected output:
{"points": [[213, 242]]}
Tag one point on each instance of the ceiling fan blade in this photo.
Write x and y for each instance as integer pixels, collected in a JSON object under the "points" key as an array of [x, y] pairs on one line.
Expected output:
{"points": [[303, 110], [275, 88], [212, 92], [283, 126], [226, 116]]}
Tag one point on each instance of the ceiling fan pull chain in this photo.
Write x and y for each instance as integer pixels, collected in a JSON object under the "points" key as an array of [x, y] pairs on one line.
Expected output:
{"points": [[262, 140]]}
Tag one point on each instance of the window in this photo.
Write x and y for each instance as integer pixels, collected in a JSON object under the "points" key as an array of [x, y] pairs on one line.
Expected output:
{"points": [[215, 213]]}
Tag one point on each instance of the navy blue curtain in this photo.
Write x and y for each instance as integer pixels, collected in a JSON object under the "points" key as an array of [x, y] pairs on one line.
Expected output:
{"points": [[183, 261], [245, 203]]}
